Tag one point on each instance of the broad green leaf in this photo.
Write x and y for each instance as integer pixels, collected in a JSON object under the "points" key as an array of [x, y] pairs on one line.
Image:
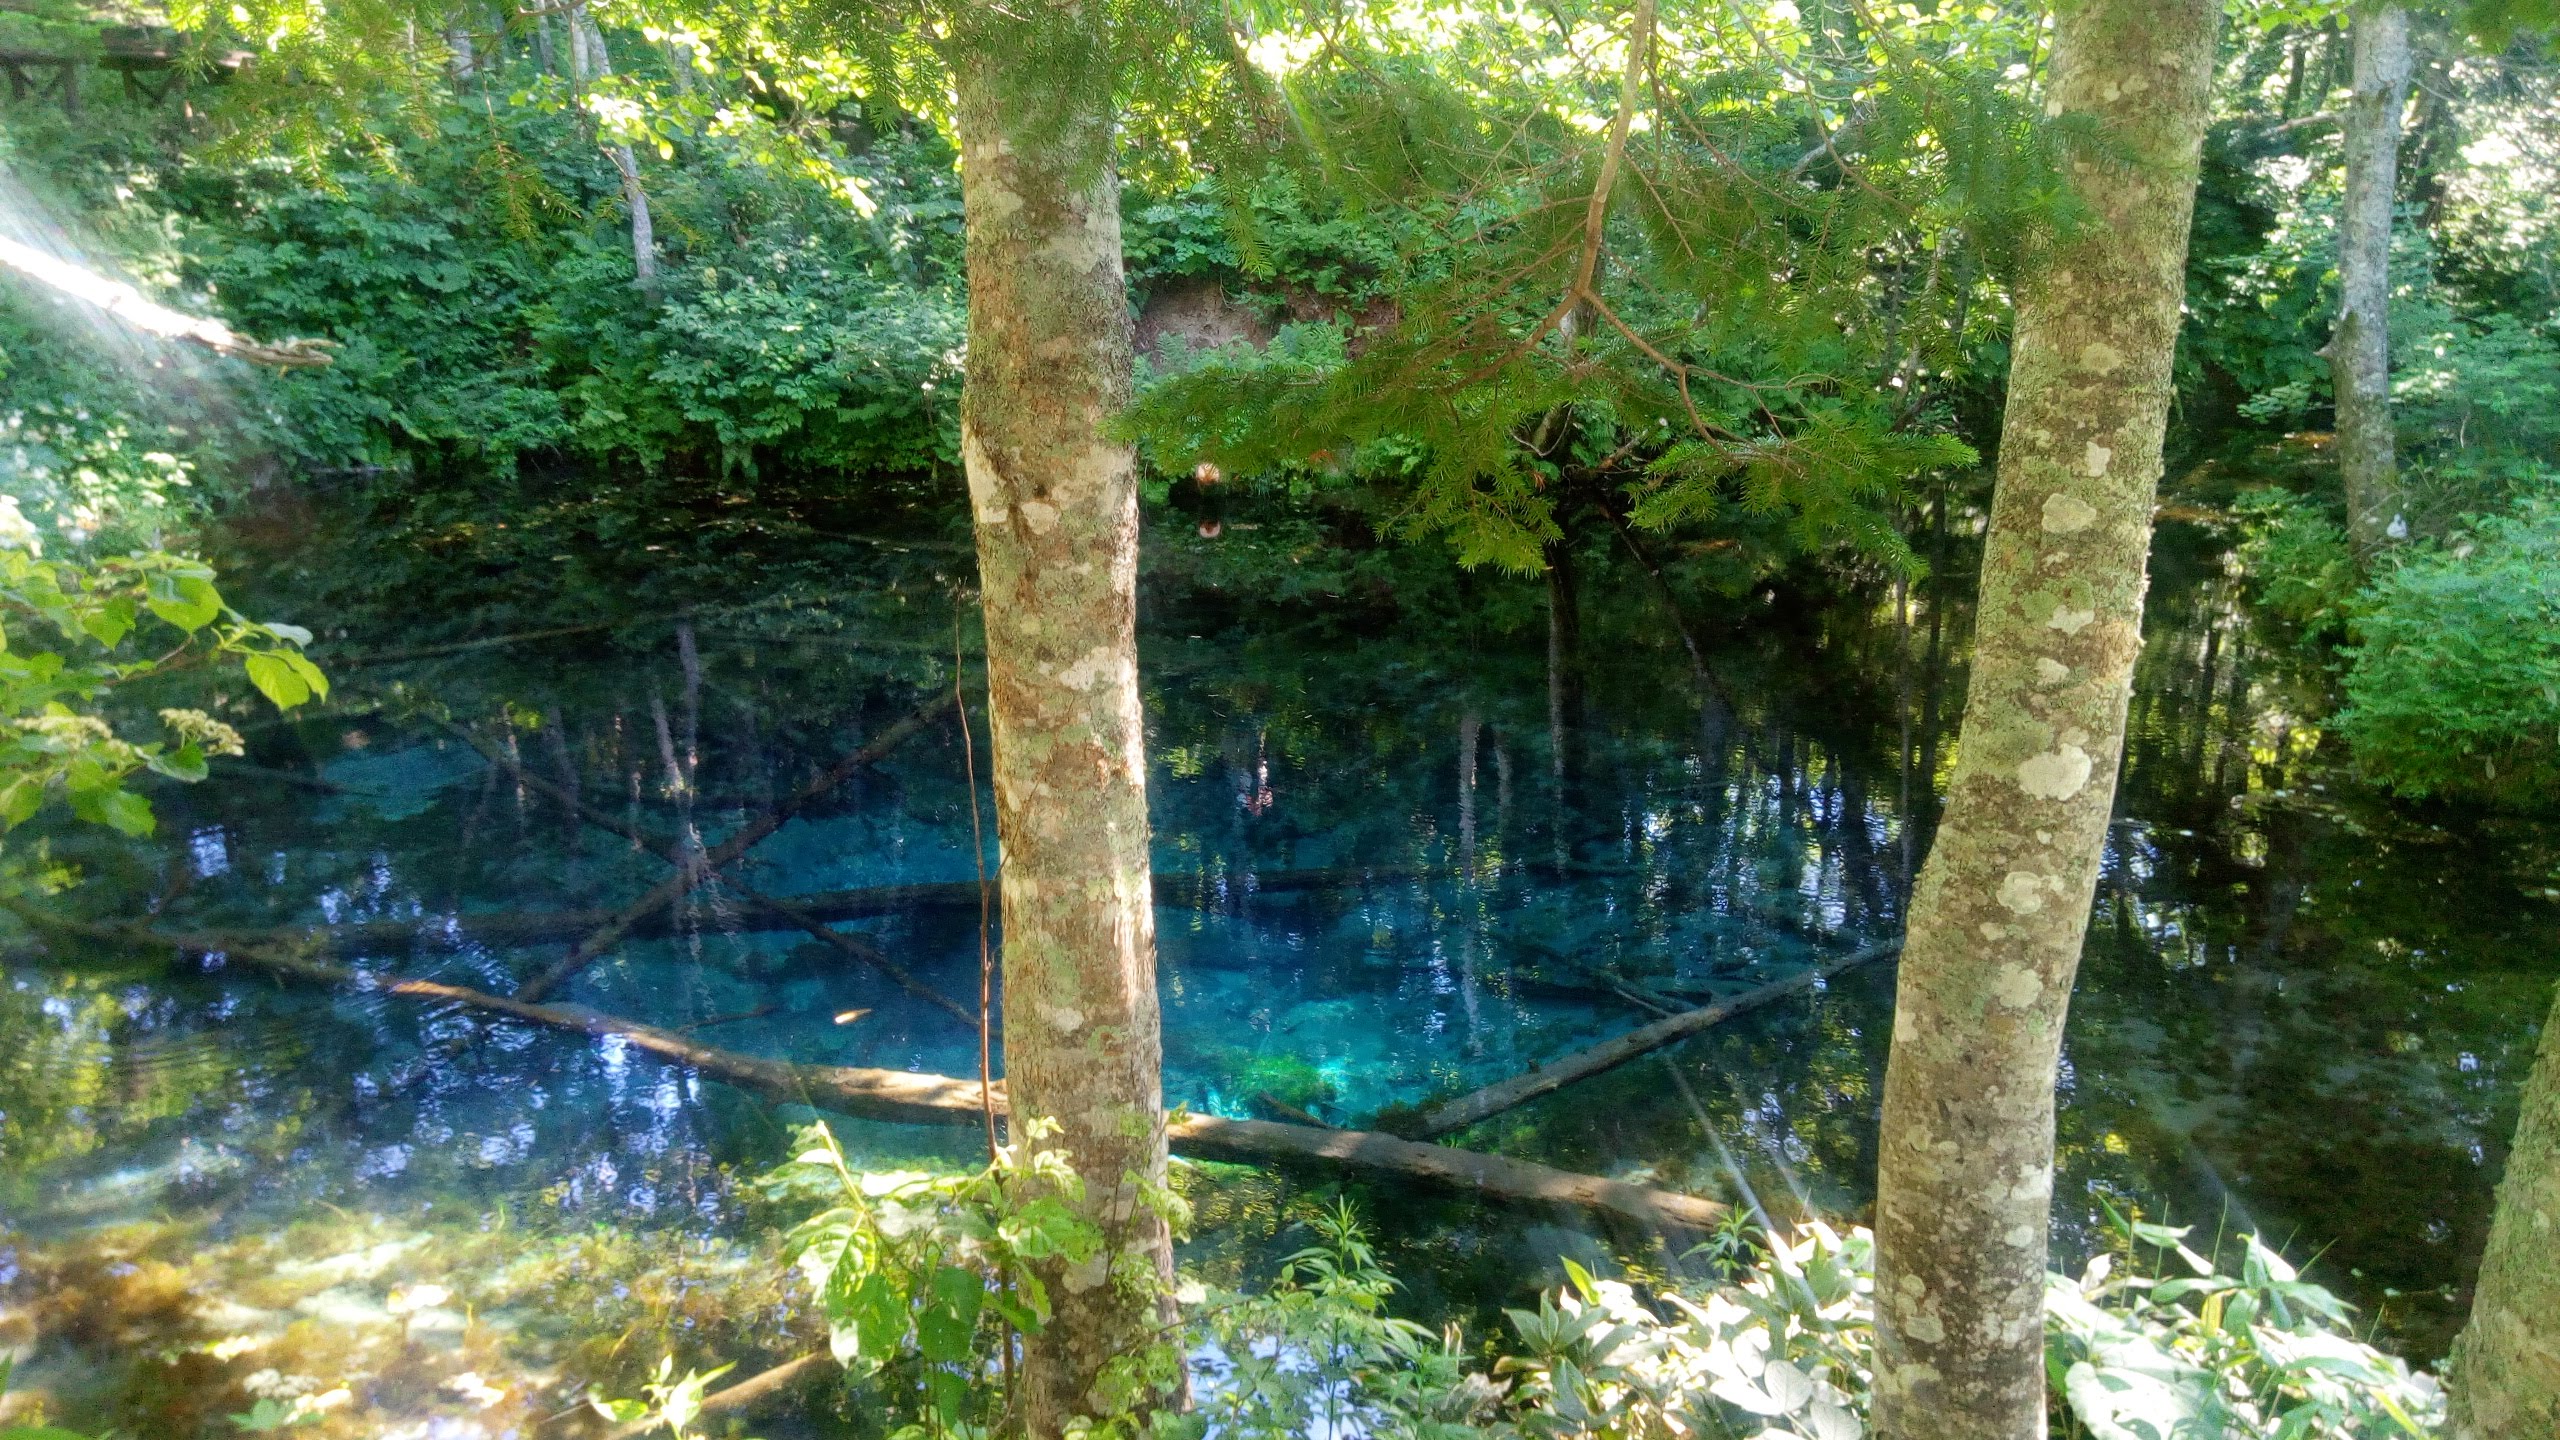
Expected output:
{"points": [[309, 672], [20, 801], [126, 812], [111, 622], [85, 777], [184, 764], [186, 601], [949, 1322], [879, 1312], [277, 680]]}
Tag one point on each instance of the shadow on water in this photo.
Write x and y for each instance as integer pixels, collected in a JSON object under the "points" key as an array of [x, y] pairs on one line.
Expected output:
{"points": [[2303, 1011]]}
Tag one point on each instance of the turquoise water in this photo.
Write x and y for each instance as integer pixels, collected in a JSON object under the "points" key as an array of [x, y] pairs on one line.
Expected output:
{"points": [[2303, 1011]]}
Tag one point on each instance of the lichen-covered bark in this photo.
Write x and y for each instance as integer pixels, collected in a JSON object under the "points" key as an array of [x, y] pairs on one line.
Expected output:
{"points": [[2505, 1368], [1965, 1174], [2360, 347], [1056, 508]]}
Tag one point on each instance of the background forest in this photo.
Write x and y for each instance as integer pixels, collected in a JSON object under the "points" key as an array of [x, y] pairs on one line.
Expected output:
{"points": [[465, 465]]}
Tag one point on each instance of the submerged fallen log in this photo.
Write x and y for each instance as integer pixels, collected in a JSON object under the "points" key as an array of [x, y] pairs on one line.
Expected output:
{"points": [[909, 1097], [1493, 1099]]}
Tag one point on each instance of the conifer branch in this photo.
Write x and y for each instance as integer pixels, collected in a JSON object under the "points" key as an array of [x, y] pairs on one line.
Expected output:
{"points": [[1595, 217], [1595, 213]]}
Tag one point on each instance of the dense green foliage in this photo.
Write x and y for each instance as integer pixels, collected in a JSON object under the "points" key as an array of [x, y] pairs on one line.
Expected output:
{"points": [[486, 314], [2454, 685], [2152, 1340]]}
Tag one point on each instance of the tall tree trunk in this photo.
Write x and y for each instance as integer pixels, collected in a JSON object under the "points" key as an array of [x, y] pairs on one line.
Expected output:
{"points": [[2360, 346], [1056, 509], [2505, 1368], [1965, 1174]]}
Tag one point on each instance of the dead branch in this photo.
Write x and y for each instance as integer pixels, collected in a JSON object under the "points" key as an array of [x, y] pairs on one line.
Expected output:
{"points": [[503, 929], [1494, 1099]]}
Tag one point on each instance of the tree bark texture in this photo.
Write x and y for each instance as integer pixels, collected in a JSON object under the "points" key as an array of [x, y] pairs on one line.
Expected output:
{"points": [[2360, 347], [2505, 1368], [1056, 511], [1965, 1175]]}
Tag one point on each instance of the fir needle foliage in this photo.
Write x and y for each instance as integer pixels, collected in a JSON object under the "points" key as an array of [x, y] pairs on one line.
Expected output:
{"points": [[1688, 263]]}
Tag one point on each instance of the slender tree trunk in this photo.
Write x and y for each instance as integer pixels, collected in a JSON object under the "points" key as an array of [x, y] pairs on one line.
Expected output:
{"points": [[1965, 1175], [2294, 48], [2360, 346], [1056, 509], [588, 59], [2505, 1369], [460, 56]]}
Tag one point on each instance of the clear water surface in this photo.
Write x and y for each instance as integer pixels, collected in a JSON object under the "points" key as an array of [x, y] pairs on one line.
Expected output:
{"points": [[2303, 1012]]}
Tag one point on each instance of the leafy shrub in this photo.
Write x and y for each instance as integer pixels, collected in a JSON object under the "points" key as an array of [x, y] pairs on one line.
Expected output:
{"points": [[917, 1276], [1319, 1354], [2297, 553], [479, 283], [2454, 686], [59, 742], [2260, 1353], [1782, 1350], [2479, 403], [912, 1271], [82, 449]]}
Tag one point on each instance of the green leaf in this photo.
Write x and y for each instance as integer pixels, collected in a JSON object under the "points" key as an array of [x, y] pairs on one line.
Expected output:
{"points": [[620, 1412], [112, 621], [40, 1432], [1015, 1314], [948, 1326], [308, 672], [277, 679], [184, 764], [20, 801], [267, 1415], [879, 1315], [125, 812], [1582, 1282], [186, 601]]}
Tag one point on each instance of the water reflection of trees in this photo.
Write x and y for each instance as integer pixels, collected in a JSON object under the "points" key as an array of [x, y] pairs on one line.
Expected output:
{"points": [[2294, 1000]]}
